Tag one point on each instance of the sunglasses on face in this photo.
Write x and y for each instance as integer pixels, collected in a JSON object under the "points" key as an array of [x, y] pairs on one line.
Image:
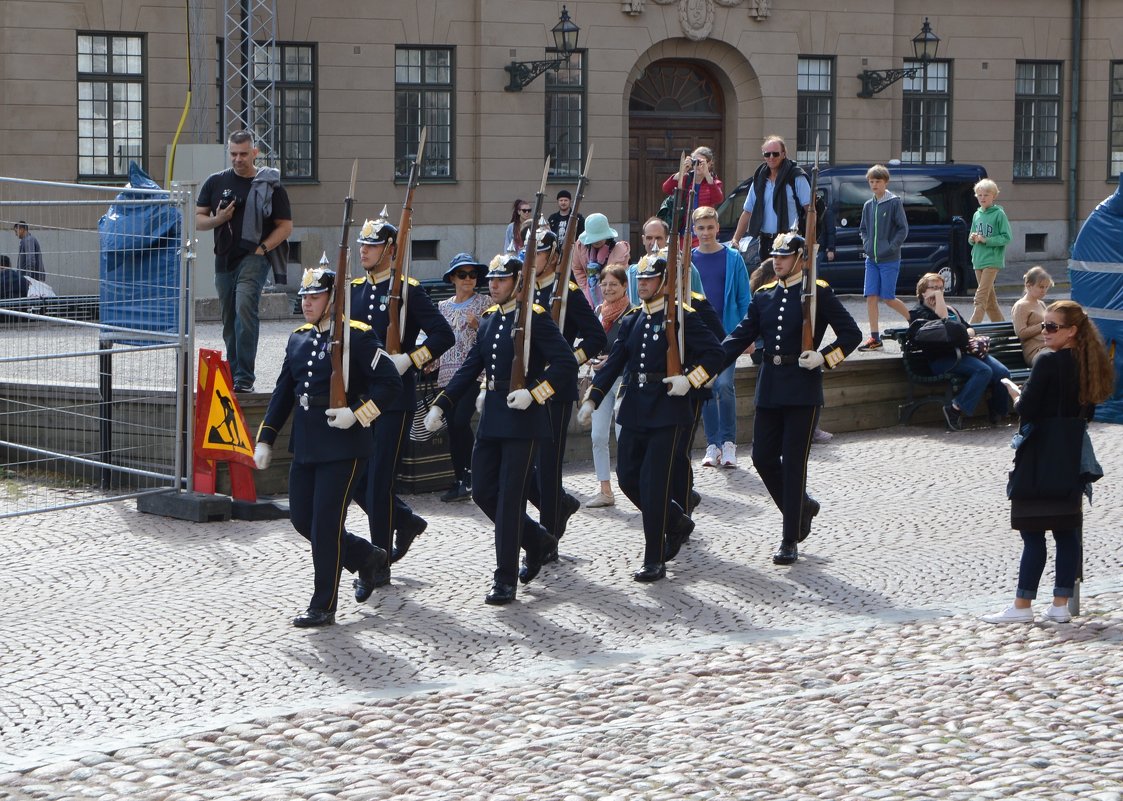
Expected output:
{"points": [[462, 274], [524, 211], [771, 154], [1052, 328]]}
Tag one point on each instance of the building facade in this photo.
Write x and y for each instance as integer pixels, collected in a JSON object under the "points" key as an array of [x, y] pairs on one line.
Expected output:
{"points": [[1030, 89]]}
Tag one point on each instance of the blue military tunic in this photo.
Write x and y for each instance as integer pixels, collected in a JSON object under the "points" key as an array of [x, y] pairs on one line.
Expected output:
{"points": [[370, 304], [775, 315], [304, 384], [581, 328], [552, 364]]}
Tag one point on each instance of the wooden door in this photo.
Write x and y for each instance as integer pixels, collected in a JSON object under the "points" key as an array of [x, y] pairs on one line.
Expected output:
{"points": [[677, 106]]}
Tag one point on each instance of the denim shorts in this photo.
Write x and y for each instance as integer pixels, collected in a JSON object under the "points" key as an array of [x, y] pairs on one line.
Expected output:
{"points": [[881, 278]]}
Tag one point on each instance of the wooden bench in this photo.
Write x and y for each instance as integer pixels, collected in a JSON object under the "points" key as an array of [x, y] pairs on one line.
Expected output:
{"points": [[69, 307], [1004, 346]]}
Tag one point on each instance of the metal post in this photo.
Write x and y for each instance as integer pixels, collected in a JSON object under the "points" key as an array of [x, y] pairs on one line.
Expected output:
{"points": [[105, 410]]}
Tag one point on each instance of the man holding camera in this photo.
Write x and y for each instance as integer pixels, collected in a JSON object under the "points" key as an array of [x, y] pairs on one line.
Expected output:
{"points": [[249, 212]]}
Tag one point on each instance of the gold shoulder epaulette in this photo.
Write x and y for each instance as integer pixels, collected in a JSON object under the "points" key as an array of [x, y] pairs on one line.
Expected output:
{"points": [[822, 283], [413, 281], [573, 287], [492, 309], [632, 310], [538, 309], [688, 308], [697, 295], [359, 325], [357, 281], [304, 327], [769, 285]]}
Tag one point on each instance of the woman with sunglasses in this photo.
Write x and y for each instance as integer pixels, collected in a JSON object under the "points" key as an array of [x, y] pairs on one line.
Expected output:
{"points": [[515, 236], [978, 372], [463, 311], [1066, 381]]}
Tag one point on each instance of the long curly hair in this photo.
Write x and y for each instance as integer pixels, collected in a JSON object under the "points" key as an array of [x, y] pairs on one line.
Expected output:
{"points": [[1097, 376]]}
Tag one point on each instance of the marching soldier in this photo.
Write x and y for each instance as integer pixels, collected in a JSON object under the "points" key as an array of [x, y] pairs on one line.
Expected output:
{"points": [[370, 298], [583, 331], [329, 450], [512, 423], [655, 412], [789, 388]]}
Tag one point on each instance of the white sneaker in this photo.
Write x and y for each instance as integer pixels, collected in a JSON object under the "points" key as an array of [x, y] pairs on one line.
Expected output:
{"points": [[729, 454], [600, 500], [1011, 614], [1058, 614], [820, 436], [712, 456]]}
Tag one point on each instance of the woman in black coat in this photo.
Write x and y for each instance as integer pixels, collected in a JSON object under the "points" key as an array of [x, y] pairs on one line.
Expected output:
{"points": [[1066, 383]]}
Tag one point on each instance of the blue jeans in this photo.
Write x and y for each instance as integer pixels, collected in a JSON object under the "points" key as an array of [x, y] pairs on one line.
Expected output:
{"points": [[979, 373], [719, 413], [239, 295], [1033, 562]]}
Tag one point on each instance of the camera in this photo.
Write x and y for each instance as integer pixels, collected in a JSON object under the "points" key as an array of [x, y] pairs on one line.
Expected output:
{"points": [[227, 198]]}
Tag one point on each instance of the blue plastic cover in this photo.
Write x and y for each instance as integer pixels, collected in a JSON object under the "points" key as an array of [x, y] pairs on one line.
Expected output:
{"points": [[1096, 273], [139, 261]]}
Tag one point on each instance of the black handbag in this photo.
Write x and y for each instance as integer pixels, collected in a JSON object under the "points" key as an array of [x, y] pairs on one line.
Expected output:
{"points": [[940, 335]]}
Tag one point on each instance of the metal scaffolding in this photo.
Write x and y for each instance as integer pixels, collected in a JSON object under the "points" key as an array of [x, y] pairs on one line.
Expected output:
{"points": [[249, 72]]}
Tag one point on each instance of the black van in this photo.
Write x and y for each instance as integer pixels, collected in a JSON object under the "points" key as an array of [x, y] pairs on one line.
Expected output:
{"points": [[939, 201]]}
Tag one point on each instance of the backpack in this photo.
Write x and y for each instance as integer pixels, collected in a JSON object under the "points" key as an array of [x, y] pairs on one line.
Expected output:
{"points": [[940, 337]]}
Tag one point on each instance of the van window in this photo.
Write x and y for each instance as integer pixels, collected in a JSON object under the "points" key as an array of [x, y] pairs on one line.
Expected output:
{"points": [[926, 201], [729, 212], [852, 195]]}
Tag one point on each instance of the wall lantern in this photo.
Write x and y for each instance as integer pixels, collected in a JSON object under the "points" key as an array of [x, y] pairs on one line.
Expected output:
{"points": [[565, 40], [924, 46]]}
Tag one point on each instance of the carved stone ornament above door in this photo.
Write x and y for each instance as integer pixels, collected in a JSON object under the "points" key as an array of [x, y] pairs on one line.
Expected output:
{"points": [[697, 16]]}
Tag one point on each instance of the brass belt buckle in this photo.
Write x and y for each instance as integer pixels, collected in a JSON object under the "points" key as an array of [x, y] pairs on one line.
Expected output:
{"points": [[304, 401], [641, 379]]}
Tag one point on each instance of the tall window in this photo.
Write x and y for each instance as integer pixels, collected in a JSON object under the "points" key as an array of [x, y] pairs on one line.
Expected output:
{"points": [[423, 94], [1037, 115], [110, 105], [294, 108], [926, 120], [814, 109], [1115, 110], [565, 116]]}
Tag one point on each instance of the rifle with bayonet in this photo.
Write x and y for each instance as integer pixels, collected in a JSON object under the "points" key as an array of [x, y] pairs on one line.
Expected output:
{"points": [[398, 276], [560, 298], [671, 283], [524, 297], [340, 326], [684, 275], [810, 267]]}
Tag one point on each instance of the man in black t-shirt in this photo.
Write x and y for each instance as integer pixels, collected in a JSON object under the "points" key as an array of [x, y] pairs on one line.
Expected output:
{"points": [[241, 242], [559, 220]]}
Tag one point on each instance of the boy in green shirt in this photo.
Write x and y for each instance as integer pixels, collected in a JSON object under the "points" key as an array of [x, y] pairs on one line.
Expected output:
{"points": [[990, 234]]}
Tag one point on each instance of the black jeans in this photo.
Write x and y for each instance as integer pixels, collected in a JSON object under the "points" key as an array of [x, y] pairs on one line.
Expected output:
{"points": [[1033, 562]]}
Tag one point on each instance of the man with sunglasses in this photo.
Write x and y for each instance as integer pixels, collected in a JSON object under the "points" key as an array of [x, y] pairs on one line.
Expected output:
{"points": [[784, 193]]}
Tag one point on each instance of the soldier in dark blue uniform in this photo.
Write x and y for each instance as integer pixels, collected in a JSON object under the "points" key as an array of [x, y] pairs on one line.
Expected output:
{"points": [[583, 331], [789, 388], [655, 412], [370, 298], [512, 423], [329, 449]]}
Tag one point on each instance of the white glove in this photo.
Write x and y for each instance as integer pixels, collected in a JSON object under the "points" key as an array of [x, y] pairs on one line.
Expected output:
{"points": [[585, 412], [811, 360], [342, 417], [434, 419], [262, 455], [520, 399], [480, 401], [402, 361], [678, 385]]}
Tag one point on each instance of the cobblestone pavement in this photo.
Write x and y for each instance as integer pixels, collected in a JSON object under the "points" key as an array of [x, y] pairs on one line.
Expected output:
{"points": [[153, 659]]}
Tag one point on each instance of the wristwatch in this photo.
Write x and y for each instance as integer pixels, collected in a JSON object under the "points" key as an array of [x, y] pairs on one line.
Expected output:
{"points": [[264, 249]]}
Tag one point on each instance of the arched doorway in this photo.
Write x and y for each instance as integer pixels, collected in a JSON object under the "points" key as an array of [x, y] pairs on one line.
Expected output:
{"points": [[675, 105]]}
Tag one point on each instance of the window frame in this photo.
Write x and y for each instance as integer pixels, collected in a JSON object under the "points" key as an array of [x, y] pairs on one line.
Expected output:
{"points": [[424, 88], [109, 79], [1114, 119], [280, 85], [831, 95], [549, 92], [1058, 98], [924, 96]]}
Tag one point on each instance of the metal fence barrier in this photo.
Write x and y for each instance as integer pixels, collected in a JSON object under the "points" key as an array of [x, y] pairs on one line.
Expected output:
{"points": [[95, 370]]}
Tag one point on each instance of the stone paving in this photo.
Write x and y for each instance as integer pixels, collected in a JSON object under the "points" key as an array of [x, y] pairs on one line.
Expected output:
{"points": [[153, 659]]}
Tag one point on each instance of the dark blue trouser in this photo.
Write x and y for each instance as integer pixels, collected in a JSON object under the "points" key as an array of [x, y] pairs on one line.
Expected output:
{"points": [[318, 493], [375, 492], [546, 491], [500, 478], [644, 467], [1033, 562], [781, 445]]}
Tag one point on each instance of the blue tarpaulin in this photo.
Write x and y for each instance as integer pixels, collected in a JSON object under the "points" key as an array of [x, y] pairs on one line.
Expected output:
{"points": [[1096, 273], [139, 271]]}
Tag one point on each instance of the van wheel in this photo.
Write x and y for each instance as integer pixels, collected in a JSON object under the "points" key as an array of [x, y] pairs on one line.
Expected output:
{"points": [[953, 283]]}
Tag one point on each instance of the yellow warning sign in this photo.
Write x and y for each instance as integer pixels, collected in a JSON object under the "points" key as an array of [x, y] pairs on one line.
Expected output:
{"points": [[220, 426]]}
